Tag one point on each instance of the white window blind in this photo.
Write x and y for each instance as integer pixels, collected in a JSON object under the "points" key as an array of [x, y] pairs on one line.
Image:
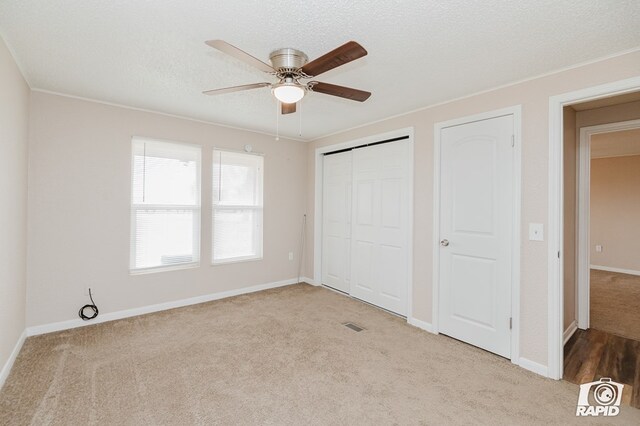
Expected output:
{"points": [[237, 206], [165, 205]]}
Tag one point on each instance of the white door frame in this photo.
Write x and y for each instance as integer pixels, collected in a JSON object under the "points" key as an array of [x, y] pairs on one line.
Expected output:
{"points": [[556, 198], [317, 224], [516, 111], [584, 197]]}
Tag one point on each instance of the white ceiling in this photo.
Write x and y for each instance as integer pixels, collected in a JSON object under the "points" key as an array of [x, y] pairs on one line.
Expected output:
{"points": [[615, 144], [152, 55]]}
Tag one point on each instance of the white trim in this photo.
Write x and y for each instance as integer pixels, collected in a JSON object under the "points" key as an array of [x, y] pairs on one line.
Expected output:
{"points": [[164, 268], [556, 197], [111, 316], [629, 154], [342, 293], [618, 270], [533, 366], [516, 112], [242, 259], [435, 277], [6, 369], [410, 190], [573, 327], [317, 226], [337, 132], [21, 67], [420, 324], [583, 247], [482, 92], [166, 114], [517, 234], [582, 234], [310, 281]]}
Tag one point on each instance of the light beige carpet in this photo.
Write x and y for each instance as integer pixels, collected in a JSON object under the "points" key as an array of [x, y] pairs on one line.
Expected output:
{"points": [[277, 357], [615, 303]]}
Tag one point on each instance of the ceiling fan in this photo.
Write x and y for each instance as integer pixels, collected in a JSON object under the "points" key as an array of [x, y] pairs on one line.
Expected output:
{"points": [[290, 66]]}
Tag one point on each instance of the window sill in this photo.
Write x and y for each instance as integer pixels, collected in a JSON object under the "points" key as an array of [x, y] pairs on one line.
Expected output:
{"points": [[152, 270], [236, 260]]}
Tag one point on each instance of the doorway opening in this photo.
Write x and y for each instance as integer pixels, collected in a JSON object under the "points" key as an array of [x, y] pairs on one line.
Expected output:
{"points": [[601, 242]]}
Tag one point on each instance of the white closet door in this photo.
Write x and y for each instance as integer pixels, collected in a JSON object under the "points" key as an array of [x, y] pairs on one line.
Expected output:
{"points": [[380, 217], [336, 221], [476, 229]]}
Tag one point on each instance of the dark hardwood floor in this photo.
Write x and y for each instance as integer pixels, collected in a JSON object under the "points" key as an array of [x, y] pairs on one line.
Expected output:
{"points": [[592, 354]]}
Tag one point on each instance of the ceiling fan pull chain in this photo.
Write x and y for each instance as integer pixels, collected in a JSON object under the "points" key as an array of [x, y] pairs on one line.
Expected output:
{"points": [[278, 105], [144, 172], [300, 128]]}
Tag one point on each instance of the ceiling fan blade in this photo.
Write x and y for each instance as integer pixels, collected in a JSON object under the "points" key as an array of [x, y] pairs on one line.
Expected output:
{"points": [[346, 53], [231, 50], [236, 88], [288, 108], [341, 91]]}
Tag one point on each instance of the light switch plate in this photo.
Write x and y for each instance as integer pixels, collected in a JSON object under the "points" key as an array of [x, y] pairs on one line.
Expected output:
{"points": [[536, 232], [599, 248]]}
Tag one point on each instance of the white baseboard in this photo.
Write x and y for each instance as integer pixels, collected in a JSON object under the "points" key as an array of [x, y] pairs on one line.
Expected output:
{"points": [[309, 281], [522, 362], [6, 369], [569, 331], [534, 367], [618, 270], [420, 324], [111, 316]]}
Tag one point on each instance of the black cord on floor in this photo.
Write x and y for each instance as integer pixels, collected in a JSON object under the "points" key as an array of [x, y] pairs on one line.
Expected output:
{"points": [[92, 306]]}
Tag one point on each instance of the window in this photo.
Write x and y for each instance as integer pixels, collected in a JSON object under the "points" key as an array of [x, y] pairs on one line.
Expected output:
{"points": [[237, 206], [165, 205]]}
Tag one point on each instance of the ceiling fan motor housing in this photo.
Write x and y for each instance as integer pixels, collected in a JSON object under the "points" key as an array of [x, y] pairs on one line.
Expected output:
{"points": [[288, 59]]}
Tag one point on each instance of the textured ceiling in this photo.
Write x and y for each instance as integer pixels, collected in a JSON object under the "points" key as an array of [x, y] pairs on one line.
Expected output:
{"points": [[151, 54]]}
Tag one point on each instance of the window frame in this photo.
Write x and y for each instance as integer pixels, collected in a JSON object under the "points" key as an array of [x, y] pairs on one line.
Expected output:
{"points": [[196, 210], [259, 241]]}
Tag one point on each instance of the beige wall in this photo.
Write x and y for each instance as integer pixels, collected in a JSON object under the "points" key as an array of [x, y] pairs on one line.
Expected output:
{"points": [[79, 171], [570, 159], [611, 114], [534, 98], [616, 144], [79, 204], [14, 115], [615, 212]]}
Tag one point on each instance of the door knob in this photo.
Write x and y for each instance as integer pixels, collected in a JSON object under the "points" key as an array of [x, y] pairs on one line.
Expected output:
{"points": [[444, 243]]}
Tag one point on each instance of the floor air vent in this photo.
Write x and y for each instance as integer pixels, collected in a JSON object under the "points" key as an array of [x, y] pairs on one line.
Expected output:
{"points": [[352, 326]]}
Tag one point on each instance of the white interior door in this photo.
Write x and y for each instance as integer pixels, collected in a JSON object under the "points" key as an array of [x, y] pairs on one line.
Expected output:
{"points": [[380, 225], [336, 221], [476, 230]]}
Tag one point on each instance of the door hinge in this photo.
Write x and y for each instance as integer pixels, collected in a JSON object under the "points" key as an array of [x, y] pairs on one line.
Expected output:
{"points": [[558, 255], [510, 323], [513, 140]]}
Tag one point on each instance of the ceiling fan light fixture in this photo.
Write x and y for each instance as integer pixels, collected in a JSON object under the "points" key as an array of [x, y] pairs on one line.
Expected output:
{"points": [[288, 93]]}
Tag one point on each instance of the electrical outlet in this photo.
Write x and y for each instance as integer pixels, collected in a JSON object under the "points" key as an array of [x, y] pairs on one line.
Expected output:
{"points": [[599, 248], [290, 255]]}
